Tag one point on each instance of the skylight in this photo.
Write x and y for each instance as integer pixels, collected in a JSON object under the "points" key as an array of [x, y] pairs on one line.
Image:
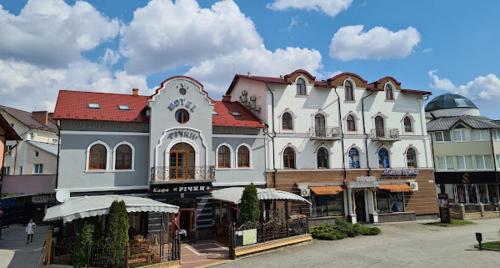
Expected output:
{"points": [[123, 107], [235, 113], [94, 106]]}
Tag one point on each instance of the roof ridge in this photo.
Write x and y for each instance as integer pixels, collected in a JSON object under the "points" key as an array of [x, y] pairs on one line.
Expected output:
{"points": [[103, 93]]}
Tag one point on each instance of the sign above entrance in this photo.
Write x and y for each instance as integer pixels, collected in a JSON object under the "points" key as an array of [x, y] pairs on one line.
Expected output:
{"points": [[407, 172], [177, 188], [183, 133], [182, 103]]}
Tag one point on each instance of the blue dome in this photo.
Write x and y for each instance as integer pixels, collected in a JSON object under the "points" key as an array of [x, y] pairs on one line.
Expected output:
{"points": [[449, 101]]}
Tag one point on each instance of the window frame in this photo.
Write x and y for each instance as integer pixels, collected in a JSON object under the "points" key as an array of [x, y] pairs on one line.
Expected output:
{"points": [[287, 159], [351, 161], [349, 91], [283, 121], [238, 156], [443, 136], [108, 150], [132, 167], [351, 116], [37, 169], [183, 113], [414, 155], [389, 88], [230, 152], [299, 83], [326, 161], [405, 126], [388, 158]]}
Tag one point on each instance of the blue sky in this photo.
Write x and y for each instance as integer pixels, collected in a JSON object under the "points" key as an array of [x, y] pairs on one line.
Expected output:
{"points": [[442, 46]]}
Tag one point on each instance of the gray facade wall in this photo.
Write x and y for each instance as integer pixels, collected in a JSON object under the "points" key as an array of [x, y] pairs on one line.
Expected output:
{"points": [[73, 161], [241, 176]]}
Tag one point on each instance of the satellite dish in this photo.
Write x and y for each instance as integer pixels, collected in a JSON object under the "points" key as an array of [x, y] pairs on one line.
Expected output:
{"points": [[62, 195]]}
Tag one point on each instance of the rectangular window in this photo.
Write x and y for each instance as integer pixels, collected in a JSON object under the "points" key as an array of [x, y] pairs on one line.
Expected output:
{"points": [[468, 162], [488, 161], [492, 193], [442, 136], [458, 135], [37, 168], [479, 162], [472, 191], [441, 163], [388, 202], [6, 170], [460, 189], [460, 162], [497, 135], [498, 161], [328, 205], [450, 163], [480, 135], [483, 193]]}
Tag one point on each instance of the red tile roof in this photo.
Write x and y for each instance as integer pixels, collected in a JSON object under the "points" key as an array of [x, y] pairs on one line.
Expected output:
{"points": [[234, 114], [74, 105], [414, 91], [10, 133], [27, 119]]}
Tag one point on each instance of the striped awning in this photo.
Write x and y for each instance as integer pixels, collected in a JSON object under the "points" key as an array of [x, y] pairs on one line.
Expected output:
{"points": [[326, 190], [395, 188]]}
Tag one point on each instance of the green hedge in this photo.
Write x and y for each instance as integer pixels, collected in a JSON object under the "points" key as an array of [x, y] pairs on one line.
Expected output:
{"points": [[341, 229]]}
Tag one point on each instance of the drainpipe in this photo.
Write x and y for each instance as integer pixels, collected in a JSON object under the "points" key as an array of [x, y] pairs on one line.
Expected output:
{"points": [[58, 151], [368, 172], [341, 136], [273, 136], [494, 163]]}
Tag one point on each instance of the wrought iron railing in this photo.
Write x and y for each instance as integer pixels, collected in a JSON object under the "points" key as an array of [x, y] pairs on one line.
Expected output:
{"points": [[324, 132], [386, 134], [182, 173]]}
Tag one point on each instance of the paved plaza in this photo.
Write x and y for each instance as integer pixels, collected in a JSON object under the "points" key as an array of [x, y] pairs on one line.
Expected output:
{"points": [[14, 253], [399, 245]]}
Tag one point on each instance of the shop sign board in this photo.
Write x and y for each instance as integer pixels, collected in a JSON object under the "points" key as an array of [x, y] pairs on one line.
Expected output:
{"points": [[406, 172], [180, 188], [249, 237], [364, 182]]}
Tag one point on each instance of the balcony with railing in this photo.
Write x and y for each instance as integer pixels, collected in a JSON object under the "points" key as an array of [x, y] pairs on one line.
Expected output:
{"points": [[324, 133], [182, 173], [385, 134]]}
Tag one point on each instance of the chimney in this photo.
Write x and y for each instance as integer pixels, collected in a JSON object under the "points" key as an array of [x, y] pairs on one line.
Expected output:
{"points": [[41, 116], [135, 92], [226, 98]]}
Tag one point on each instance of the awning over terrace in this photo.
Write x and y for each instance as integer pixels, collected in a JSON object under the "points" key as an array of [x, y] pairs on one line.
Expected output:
{"points": [[89, 206], [233, 195]]}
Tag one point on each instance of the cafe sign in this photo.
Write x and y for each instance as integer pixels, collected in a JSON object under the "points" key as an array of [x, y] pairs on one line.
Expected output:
{"points": [[407, 172], [180, 188]]}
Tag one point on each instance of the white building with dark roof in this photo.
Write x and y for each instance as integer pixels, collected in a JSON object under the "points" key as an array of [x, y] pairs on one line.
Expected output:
{"points": [[466, 152]]}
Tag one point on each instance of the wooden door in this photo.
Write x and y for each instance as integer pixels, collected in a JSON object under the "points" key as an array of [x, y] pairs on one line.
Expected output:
{"points": [[181, 162]]}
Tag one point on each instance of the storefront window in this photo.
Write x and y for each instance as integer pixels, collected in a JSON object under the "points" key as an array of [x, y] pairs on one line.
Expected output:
{"points": [[328, 205], [492, 193], [461, 193], [471, 190], [388, 202], [483, 194]]}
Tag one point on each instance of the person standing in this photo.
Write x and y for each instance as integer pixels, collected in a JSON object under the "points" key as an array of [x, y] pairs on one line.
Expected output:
{"points": [[30, 231]]}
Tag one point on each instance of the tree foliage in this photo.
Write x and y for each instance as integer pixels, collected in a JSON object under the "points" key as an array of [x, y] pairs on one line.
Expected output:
{"points": [[117, 234], [249, 206], [84, 240]]}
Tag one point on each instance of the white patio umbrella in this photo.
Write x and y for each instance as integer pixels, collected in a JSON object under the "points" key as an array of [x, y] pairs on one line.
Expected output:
{"points": [[233, 195], [89, 206]]}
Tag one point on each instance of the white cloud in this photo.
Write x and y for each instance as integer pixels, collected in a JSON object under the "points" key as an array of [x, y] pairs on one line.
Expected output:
{"points": [[484, 87], [110, 57], [32, 87], [216, 73], [53, 33], [351, 42], [329, 7], [164, 35]]}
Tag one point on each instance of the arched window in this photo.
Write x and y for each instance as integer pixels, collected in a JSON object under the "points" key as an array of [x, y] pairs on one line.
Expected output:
{"points": [[383, 158], [411, 158], [182, 116], [320, 125], [354, 158], [379, 126], [351, 123], [123, 157], [389, 92], [223, 157], [322, 157], [289, 158], [407, 123], [301, 87], [349, 92], [243, 157], [182, 162], [287, 121], [98, 157]]}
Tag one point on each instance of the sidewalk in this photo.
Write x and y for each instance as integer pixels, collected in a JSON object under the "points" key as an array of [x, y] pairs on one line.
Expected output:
{"points": [[14, 253]]}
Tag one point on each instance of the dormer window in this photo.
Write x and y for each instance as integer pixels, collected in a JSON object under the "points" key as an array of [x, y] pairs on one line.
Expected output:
{"points": [[235, 114], [123, 107], [301, 87], [389, 92], [349, 92], [94, 106]]}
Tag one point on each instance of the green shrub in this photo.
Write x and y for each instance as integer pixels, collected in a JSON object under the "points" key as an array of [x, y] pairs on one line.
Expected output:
{"points": [[84, 239], [364, 230], [327, 232], [117, 234], [249, 206], [341, 230], [345, 227]]}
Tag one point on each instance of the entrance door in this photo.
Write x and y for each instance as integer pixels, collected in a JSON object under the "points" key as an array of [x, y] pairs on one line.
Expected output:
{"points": [[187, 223], [359, 199], [181, 164], [319, 125]]}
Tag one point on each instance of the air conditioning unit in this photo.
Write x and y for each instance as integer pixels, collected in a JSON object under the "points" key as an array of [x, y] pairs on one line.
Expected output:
{"points": [[414, 186]]}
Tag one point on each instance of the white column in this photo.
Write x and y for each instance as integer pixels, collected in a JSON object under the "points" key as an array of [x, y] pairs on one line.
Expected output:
{"points": [[371, 205], [351, 205]]}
